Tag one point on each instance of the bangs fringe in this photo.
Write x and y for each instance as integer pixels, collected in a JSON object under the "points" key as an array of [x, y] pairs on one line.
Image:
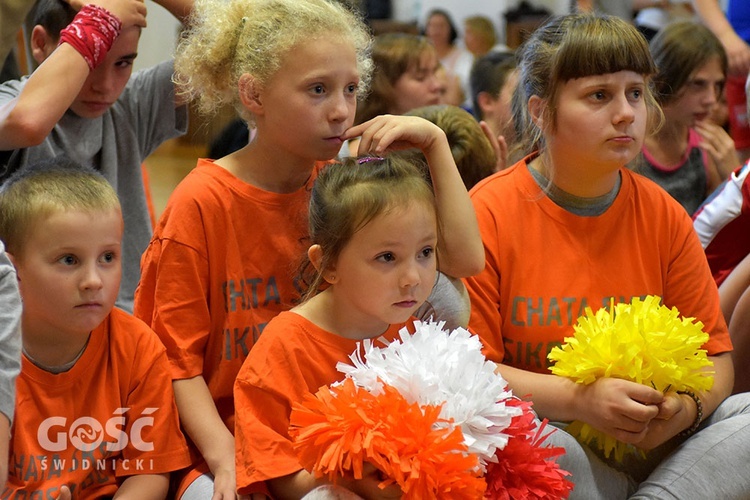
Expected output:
{"points": [[600, 46]]}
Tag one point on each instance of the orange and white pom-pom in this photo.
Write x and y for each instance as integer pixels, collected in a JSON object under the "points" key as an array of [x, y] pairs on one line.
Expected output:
{"points": [[432, 415], [343, 427], [447, 369]]}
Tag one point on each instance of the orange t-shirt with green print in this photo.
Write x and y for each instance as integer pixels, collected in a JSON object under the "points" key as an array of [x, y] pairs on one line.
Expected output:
{"points": [[112, 415], [221, 264], [545, 265], [293, 358]]}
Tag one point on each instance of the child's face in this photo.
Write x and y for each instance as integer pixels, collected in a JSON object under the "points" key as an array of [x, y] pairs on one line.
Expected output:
{"points": [[418, 87], [105, 83], [307, 105], [697, 98], [387, 270], [498, 110], [601, 122], [438, 30], [472, 42], [69, 271]]}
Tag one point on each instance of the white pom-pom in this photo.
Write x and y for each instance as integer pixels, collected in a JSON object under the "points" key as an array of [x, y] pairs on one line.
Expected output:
{"points": [[435, 367]]}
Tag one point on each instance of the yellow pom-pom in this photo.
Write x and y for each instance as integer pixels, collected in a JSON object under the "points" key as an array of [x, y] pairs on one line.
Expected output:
{"points": [[644, 342]]}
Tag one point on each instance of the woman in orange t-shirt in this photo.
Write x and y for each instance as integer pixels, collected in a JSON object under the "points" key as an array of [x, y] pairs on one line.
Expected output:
{"points": [[570, 227]]}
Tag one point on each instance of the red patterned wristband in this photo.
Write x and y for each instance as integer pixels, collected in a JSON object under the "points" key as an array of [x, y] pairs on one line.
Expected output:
{"points": [[92, 33]]}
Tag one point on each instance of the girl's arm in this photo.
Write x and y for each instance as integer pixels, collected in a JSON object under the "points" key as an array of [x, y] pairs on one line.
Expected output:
{"points": [[738, 328], [737, 49], [207, 430], [144, 487], [460, 248], [734, 287]]}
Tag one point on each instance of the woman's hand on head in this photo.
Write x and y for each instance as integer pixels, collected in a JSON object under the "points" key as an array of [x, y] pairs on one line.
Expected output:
{"points": [[395, 132], [620, 408]]}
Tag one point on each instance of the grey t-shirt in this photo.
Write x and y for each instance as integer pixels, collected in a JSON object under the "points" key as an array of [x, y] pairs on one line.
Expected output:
{"points": [[687, 184], [448, 301], [116, 144], [10, 334]]}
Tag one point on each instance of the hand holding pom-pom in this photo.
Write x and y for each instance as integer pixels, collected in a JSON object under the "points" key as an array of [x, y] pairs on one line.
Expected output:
{"points": [[642, 342]]}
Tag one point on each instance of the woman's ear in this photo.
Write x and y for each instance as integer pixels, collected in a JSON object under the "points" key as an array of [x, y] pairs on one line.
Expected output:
{"points": [[536, 110], [315, 254], [42, 44], [249, 91]]}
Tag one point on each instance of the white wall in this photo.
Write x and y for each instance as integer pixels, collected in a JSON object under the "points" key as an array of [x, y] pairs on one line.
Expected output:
{"points": [[158, 39]]}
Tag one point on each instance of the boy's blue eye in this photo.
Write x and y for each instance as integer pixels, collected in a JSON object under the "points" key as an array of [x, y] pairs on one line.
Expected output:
{"points": [[68, 260], [386, 257]]}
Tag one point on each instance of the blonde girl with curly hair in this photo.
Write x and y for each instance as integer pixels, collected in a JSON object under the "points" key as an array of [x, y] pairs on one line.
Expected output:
{"points": [[223, 257], [219, 265]]}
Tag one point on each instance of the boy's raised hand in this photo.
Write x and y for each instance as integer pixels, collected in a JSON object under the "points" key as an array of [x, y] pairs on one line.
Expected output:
{"points": [[129, 12], [392, 133]]}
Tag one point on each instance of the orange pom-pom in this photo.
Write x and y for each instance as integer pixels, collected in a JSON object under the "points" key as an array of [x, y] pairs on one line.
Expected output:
{"points": [[340, 428]]}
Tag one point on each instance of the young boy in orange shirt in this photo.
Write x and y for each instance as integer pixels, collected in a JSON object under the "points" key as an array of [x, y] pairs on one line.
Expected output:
{"points": [[95, 412]]}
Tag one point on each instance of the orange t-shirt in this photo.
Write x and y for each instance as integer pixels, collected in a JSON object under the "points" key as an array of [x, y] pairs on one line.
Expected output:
{"points": [[220, 265], [545, 265], [294, 357], [110, 416]]}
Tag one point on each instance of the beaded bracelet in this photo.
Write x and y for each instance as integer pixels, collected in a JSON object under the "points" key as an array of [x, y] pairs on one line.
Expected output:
{"points": [[698, 415], [92, 33]]}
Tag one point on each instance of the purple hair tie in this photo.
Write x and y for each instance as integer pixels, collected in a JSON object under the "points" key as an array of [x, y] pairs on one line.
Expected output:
{"points": [[367, 159]]}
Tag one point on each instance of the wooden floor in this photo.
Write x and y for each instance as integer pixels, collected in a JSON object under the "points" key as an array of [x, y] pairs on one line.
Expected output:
{"points": [[167, 166]]}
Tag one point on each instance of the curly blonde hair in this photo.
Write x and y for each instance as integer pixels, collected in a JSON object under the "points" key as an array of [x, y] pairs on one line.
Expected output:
{"points": [[226, 39]]}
